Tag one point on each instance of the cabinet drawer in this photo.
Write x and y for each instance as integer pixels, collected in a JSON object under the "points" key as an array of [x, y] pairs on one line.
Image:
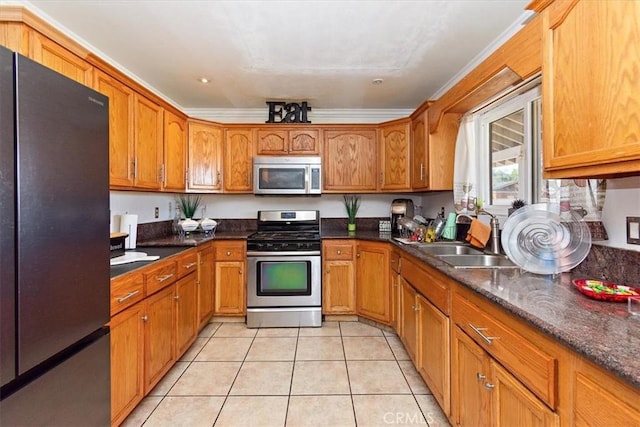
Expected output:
{"points": [[160, 276], [126, 291], [342, 251], [532, 366], [187, 263], [431, 284], [230, 252]]}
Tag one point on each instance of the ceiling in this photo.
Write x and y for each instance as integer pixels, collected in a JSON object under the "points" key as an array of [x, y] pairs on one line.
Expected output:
{"points": [[324, 52]]}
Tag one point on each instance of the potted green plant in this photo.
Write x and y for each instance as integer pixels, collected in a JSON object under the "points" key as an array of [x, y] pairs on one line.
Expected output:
{"points": [[189, 204], [351, 204], [515, 205]]}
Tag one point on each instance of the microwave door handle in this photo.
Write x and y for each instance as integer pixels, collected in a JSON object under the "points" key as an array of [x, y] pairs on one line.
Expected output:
{"points": [[307, 175]]}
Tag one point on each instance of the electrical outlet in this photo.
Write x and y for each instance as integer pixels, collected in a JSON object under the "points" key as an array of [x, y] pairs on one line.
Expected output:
{"points": [[633, 230], [157, 212]]}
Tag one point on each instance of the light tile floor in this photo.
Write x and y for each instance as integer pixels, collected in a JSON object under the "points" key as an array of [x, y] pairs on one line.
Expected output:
{"points": [[343, 374]]}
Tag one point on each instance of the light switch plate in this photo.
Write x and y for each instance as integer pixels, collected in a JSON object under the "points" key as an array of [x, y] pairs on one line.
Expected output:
{"points": [[633, 230]]}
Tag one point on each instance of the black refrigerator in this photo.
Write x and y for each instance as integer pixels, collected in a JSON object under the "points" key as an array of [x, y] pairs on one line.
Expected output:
{"points": [[54, 251]]}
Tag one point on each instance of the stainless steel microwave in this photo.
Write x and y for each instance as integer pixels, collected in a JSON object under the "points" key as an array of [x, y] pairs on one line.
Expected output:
{"points": [[287, 175]]}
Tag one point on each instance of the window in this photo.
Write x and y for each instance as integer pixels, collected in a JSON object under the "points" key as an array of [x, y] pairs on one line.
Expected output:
{"points": [[508, 146]]}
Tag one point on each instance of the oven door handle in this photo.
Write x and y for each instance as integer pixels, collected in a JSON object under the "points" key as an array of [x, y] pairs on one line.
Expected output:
{"points": [[282, 253]]}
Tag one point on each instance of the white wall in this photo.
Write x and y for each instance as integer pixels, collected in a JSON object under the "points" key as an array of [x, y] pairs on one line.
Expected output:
{"points": [[622, 200]]}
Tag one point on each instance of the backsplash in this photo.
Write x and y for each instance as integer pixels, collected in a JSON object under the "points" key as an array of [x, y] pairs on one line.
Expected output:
{"points": [[619, 266]]}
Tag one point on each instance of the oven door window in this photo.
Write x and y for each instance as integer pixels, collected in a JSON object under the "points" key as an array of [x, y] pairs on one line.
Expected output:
{"points": [[281, 278], [282, 178]]}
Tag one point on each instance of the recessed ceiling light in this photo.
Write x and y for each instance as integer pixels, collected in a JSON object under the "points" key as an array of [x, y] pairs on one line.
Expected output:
{"points": [[377, 81], [203, 80]]}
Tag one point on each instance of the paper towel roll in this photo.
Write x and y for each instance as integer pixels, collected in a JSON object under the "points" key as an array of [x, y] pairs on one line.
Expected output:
{"points": [[129, 224]]}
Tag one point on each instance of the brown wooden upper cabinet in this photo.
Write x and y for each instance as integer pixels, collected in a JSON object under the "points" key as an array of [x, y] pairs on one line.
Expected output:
{"points": [[590, 80], [394, 160], [238, 160], [175, 152], [350, 160], [52, 55], [121, 149], [205, 157], [148, 143], [302, 141], [419, 159]]}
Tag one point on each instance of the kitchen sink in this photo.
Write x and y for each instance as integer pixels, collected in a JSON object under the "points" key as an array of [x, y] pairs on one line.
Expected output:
{"points": [[478, 261], [448, 249]]}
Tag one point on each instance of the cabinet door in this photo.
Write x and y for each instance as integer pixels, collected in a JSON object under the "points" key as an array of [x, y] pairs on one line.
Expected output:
{"points": [[205, 157], [469, 372], [52, 55], [238, 161], [121, 149], [159, 336], [408, 319], [127, 358], [372, 281], [339, 292], [304, 142], [394, 157], [350, 160], [419, 163], [206, 282], [175, 152], [272, 142], [186, 299], [514, 405], [148, 124], [230, 288], [591, 116], [433, 353]]}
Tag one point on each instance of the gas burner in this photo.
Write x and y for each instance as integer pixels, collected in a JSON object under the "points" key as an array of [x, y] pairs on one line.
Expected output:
{"points": [[286, 231]]}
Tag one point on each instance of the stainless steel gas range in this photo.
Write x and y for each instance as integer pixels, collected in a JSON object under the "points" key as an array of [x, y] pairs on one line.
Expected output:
{"points": [[284, 285]]}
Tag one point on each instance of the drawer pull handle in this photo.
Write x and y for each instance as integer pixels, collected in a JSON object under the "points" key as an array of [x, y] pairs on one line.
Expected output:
{"points": [[339, 252], [489, 386], [480, 377], [228, 253], [163, 278], [191, 264], [488, 340], [129, 295]]}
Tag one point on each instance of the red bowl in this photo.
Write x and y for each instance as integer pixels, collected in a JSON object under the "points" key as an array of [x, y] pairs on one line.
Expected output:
{"points": [[605, 291]]}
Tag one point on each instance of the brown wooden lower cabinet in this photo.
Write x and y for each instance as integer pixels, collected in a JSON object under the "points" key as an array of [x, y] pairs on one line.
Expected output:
{"points": [[408, 319], [372, 281], [486, 394], [230, 278], [206, 284], [338, 277], [127, 361], [147, 338]]}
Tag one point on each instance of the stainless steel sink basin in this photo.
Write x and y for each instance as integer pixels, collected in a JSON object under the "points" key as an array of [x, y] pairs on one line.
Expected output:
{"points": [[449, 249], [478, 261]]}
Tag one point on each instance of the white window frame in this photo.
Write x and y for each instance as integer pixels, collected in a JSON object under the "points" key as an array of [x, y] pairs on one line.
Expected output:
{"points": [[532, 144]]}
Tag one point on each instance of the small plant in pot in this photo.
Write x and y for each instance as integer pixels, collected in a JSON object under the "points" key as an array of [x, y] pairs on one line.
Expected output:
{"points": [[351, 204], [515, 205], [189, 204]]}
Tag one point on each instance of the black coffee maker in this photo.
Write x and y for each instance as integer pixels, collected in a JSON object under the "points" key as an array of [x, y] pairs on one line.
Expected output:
{"points": [[400, 208]]}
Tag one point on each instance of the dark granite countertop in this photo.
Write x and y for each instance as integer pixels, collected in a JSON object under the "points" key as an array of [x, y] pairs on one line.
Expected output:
{"points": [[165, 252], [603, 332], [194, 239]]}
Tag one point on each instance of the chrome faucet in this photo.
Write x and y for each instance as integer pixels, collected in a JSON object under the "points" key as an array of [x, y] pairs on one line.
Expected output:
{"points": [[494, 243]]}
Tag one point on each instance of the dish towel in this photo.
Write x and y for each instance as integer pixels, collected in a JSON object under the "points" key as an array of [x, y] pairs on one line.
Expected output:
{"points": [[478, 234]]}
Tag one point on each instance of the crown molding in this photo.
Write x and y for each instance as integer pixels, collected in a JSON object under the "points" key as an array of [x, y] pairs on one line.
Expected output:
{"points": [[260, 115], [492, 47]]}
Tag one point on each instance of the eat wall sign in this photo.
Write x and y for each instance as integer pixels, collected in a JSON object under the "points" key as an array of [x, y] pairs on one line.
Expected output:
{"points": [[288, 112]]}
